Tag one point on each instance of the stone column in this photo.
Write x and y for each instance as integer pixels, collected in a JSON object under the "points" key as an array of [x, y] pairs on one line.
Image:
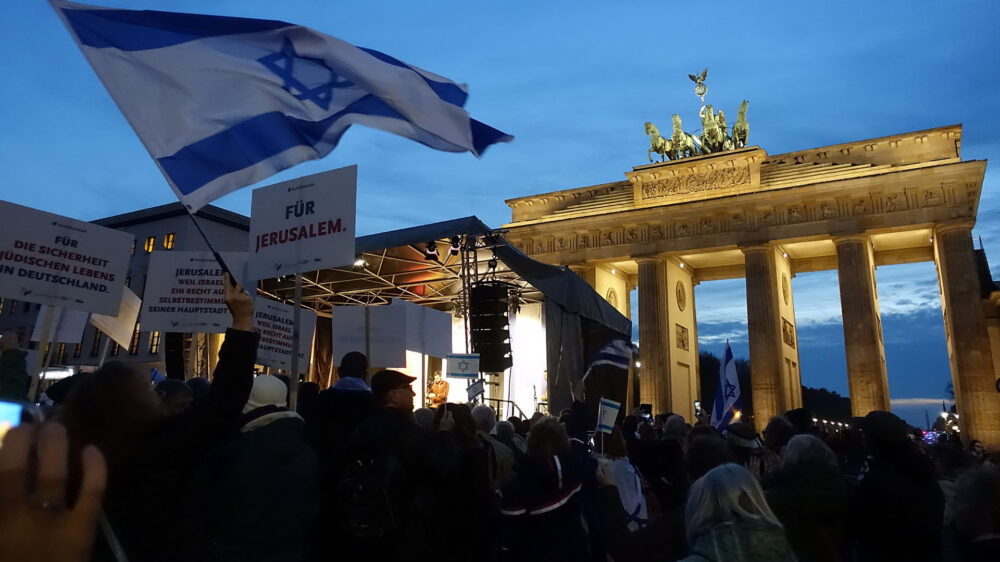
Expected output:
{"points": [[653, 387], [968, 340], [764, 327], [866, 374]]}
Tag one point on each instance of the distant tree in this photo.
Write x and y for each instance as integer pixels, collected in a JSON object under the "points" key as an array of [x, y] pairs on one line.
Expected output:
{"points": [[826, 404], [949, 390]]}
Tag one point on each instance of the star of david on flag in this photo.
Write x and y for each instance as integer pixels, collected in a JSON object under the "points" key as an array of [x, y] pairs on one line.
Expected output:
{"points": [[727, 392], [221, 102]]}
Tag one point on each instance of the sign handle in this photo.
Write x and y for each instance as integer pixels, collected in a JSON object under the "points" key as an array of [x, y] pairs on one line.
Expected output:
{"points": [[293, 381], [39, 366], [105, 345]]}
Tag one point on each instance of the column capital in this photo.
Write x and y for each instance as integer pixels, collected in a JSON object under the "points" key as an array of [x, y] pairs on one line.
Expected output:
{"points": [[964, 224], [756, 247], [862, 237], [648, 258]]}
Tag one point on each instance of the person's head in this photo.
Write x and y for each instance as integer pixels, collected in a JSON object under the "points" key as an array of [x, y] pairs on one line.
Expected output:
{"points": [[109, 408], [801, 418], [807, 449], [705, 453], [176, 396], [424, 417], [884, 433], [354, 364], [725, 493], [485, 417], [613, 445], [547, 437], [308, 394], [392, 390], [199, 388], [977, 449], [504, 431], [977, 502], [675, 426], [778, 432], [465, 427], [267, 391], [518, 424]]}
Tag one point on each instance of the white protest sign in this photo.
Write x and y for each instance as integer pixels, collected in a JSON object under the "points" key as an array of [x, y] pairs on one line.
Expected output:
{"points": [[386, 333], [303, 224], [463, 366], [67, 325], [184, 292], [59, 261], [120, 327], [273, 321], [475, 390], [607, 415]]}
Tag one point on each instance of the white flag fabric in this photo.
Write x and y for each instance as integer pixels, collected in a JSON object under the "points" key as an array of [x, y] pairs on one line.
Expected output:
{"points": [[222, 102], [727, 393]]}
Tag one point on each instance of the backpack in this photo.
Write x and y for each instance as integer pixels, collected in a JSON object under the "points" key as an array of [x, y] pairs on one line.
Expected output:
{"points": [[363, 495]]}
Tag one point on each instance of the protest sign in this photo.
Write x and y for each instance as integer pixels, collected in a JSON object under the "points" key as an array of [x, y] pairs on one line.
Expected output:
{"points": [[607, 415], [67, 325], [476, 389], [184, 292], [58, 261], [121, 326], [385, 333], [273, 321], [303, 224], [463, 366]]}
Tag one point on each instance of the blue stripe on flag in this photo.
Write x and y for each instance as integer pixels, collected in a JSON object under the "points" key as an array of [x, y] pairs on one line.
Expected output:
{"points": [[131, 30], [447, 91]]}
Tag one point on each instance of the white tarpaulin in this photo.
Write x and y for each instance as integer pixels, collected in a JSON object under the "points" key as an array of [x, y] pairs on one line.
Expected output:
{"points": [[67, 325]]}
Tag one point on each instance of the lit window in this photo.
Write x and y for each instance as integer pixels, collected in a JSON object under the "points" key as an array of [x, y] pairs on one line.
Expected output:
{"points": [[115, 348], [128, 281], [150, 244], [154, 342], [133, 348], [95, 347], [61, 355], [168, 241], [132, 252], [78, 350]]}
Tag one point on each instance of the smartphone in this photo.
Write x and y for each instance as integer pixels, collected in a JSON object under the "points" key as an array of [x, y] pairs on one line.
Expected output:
{"points": [[13, 414], [697, 407]]}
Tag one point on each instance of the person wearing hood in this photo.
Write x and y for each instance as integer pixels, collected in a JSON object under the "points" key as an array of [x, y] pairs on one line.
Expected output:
{"points": [[262, 485], [809, 497], [728, 520]]}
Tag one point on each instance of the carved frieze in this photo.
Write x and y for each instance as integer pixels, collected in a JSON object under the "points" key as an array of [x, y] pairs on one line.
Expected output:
{"points": [[682, 337], [827, 210], [696, 182], [680, 293], [788, 333], [700, 178]]}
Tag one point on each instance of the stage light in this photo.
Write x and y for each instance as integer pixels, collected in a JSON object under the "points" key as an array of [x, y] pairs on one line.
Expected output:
{"points": [[359, 263], [431, 251], [456, 245], [492, 264]]}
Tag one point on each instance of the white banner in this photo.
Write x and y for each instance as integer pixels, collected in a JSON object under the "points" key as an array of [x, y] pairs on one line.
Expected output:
{"points": [[303, 224], [59, 261], [67, 325], [120, 327], [273, 321], [184, 292], [385, 333]]}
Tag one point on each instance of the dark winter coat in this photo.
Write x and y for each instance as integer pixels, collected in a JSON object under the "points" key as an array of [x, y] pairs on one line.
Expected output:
{"points": [[14, 379], [262, 490], [741, 541], [899, 509], [541, 512], [810, 500], [152, 500]]}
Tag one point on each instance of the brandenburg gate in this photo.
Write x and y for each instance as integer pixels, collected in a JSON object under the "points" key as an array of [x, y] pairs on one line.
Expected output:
{"points": [[739, 212]]}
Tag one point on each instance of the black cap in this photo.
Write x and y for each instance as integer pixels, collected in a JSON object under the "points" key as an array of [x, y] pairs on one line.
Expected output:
{"points": [[884, 426], [384, 381]]}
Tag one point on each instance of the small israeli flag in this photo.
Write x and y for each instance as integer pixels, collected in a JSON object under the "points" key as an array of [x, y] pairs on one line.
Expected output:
{"points": [[618, 353], [727, 394], [221, 102]]}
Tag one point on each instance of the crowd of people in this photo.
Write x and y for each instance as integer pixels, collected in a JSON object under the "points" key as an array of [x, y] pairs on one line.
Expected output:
{"points": [[226, 471]]}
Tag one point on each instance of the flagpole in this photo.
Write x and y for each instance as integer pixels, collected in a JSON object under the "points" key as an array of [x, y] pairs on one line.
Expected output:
{"points": [[39, 364], [218, 257], [293, 381]]}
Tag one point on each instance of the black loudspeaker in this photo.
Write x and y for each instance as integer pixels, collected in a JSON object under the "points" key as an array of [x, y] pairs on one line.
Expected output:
{"points": [[173, 354], [489, 325]]}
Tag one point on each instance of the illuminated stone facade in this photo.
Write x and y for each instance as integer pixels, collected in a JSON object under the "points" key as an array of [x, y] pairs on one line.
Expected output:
{"points": [[852, 207]]}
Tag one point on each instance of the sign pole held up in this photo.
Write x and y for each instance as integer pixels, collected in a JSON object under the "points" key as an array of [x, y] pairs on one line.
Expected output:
{"points": [[293, 381], [36, 369]]}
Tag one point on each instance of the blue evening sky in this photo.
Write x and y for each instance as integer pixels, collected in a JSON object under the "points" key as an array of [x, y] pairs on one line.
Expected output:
{"points": [[574, 82]]}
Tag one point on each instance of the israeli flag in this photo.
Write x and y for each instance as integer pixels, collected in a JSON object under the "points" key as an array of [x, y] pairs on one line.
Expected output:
{"points": [[221, 103], [618, 353], [727, 394]]}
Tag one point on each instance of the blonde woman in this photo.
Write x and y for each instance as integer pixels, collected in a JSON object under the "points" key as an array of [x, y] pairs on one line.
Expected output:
{"points": [[728, 519]]}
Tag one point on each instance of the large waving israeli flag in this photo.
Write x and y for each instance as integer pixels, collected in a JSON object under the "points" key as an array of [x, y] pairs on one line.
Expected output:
{"points": [[727, 393], [221, 103]]}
